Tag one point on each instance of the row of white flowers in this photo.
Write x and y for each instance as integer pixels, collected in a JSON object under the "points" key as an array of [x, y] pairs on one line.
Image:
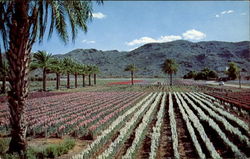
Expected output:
{"points": [[106, 134], [126, 131], [228, 126], [157, 129], [174, 134], [191, 130], [140, 131], [226, 105], [216, 106], [215, 126], [196, 122]]}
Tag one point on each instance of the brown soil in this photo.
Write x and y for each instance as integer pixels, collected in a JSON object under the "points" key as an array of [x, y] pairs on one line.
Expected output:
{"points": [[165, 145], [144, 150], [186, 147]]}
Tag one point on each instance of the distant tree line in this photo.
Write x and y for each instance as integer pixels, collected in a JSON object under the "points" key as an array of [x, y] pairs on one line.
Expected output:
{"points": [[49, 64], [233, 72]]}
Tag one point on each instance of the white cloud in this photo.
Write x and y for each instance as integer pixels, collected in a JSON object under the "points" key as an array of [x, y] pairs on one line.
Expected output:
{"points": [[99, 15], [144, 40], [227, 12], [243, 14], [224, 12], [193, 35], [88, 41]]}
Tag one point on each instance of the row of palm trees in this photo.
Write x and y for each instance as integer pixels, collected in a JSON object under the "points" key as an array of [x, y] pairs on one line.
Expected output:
{"points": [[68, 66], [49, 64]]}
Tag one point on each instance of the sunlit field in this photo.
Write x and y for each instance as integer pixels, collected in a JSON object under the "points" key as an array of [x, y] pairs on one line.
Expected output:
{"points": [[113, 119]]}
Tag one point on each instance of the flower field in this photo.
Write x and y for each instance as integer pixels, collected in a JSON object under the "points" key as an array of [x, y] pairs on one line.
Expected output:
{"points": [[141, 125], [238, 99], [72, 113]]}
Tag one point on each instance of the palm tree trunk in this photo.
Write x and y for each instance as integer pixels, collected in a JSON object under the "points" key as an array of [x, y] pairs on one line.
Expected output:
{"points": [[89, 79], [18, 57], [171, 79], [44, 79], [75, 80], [57, 80], [68, 80], [94, 79], [83, 80], [132, 77]]}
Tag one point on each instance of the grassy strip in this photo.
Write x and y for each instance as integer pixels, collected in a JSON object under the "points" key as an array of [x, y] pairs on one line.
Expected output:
{"points": [[49, 151]]}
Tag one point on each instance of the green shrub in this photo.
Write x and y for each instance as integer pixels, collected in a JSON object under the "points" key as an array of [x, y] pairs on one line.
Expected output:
{"points": [[69, 143], [11, 156], [51, 151], [35, 153], [55, 150], [4, 145]]}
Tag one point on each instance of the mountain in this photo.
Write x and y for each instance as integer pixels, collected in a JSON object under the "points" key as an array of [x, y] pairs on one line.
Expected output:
{"points": [[149, 57]]}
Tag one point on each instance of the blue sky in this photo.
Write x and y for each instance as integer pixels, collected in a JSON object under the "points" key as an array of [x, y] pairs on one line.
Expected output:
{"points": [[125, 25]]}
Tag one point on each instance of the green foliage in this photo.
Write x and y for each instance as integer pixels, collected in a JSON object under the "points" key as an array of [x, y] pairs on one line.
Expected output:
{"points": [[77, 12], [190, 75], [206, 74], [51, 150], [55, 150], [42, 59], [131, 68], [4, 67], [56, 66], [232, 71], [68, 64], [4, 145], [11, 156]]}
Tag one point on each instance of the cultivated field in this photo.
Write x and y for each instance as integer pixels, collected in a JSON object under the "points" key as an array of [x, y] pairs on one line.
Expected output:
{"points": [[148, 120]]}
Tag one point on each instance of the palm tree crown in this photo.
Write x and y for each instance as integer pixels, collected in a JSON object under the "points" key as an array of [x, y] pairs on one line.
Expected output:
{"points": [[42, 59], [132, 68], [170, 67]]}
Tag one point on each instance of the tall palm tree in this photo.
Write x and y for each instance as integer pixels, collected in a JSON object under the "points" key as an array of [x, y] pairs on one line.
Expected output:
{"points": [[132, 68], [68, 66], [4, 68], [42, 60], [95, 71], [89, 72], [22, 23], [170, 67], [84, 72], [76, 70], [57, 67]]}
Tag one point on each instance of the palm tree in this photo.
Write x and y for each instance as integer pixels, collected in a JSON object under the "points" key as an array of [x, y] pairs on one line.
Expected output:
{"points": [[95, 71], [89, 72], [42, 60], [132, 68], [170, 67], [76, 70], [22, 23], [68, 66], [3, 73], [57, 68], [84, 72]]}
